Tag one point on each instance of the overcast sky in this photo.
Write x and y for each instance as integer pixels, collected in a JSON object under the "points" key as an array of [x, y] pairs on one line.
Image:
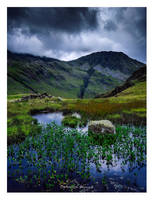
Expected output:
{"points": [[68, 33]]}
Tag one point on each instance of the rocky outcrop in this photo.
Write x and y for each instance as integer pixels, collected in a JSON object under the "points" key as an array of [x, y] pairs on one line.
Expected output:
{"points": [[137, 76], [101, 127], [35, 96]]}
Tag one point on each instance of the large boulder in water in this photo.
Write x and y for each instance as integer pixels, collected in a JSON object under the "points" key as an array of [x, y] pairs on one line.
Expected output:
{"points": [[101, 126]]}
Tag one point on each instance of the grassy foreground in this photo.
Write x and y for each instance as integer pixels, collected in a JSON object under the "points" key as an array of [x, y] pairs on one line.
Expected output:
{"points": [[129, 107]]}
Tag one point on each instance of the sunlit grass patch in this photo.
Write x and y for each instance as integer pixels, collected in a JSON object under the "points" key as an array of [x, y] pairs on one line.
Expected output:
{"points": [[16, 96], [138, 89], [141, 112], [114, 116], [127, 99]]}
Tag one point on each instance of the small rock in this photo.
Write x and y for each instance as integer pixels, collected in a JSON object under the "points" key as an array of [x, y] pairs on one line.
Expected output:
{"points": [[101, 126]]}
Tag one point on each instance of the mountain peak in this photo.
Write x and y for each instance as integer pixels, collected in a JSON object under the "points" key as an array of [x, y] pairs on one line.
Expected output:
{"points": [[85, 77]]}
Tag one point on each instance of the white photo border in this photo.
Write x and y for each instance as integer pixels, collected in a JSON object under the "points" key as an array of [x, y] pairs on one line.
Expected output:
{"points": [[3, 98]]}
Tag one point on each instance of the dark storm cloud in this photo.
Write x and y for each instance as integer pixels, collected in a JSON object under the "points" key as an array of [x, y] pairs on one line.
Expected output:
{"points": [[133, 20], [68, 33], [70, 20]]}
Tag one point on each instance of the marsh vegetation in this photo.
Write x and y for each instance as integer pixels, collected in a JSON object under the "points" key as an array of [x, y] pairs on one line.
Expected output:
{"points": [[54, 158], [48, 161]]}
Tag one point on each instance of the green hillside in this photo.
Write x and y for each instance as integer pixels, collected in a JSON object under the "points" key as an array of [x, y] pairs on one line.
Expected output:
{"points": [[135, 85], [85, 77]]}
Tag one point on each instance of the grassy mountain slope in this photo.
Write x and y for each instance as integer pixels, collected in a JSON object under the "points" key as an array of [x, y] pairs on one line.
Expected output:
{"points": [[83, 78], [134, 85], [49, 76]]}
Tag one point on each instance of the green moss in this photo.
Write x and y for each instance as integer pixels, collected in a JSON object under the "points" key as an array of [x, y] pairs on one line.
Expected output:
{"points": [[114, 116], [70, 121]]}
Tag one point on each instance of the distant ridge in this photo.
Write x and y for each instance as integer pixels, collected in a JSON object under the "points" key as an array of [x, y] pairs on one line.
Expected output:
{"points": [[84, 77]]}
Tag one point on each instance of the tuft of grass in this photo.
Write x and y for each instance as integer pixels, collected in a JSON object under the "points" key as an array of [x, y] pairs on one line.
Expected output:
{"points": [[70, 121]]}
